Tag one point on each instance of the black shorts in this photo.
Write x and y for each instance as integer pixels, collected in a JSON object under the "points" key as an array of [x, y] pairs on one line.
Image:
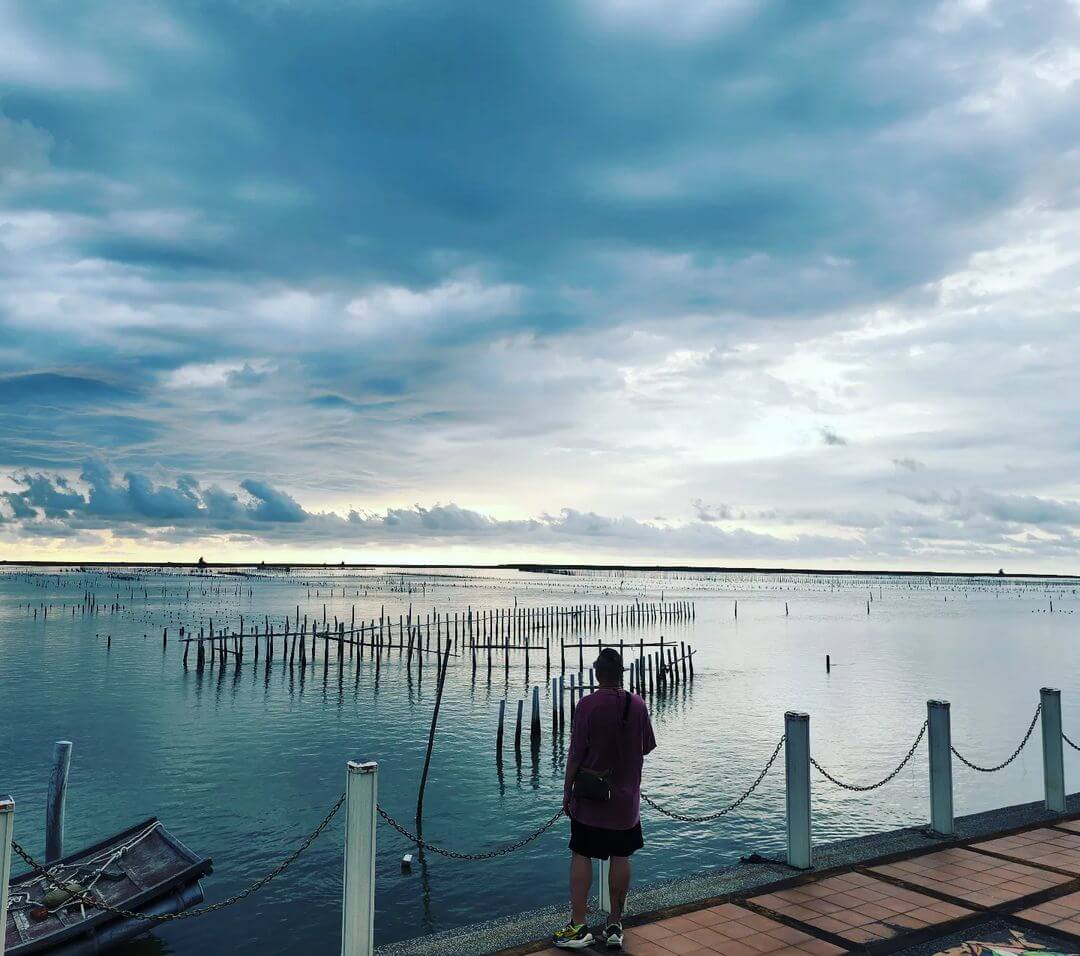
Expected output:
{"points": [[599, 843]]}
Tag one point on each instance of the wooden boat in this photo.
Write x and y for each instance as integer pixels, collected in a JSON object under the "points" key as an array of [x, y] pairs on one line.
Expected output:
{"points": [[143, 868]]}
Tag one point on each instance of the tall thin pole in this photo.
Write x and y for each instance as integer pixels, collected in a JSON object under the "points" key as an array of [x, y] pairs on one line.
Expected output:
{"points": [[431, 737]]}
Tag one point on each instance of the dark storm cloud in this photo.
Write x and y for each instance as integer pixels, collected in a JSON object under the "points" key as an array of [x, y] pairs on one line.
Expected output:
{"points": [[103, 499], [271, 504]]}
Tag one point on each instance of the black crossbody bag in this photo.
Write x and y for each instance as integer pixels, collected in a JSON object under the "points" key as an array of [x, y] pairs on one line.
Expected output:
{"points": [[594, 785]]}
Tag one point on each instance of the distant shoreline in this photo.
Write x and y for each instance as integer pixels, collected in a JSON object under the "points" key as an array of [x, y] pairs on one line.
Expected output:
{"points": [[536, 568]]}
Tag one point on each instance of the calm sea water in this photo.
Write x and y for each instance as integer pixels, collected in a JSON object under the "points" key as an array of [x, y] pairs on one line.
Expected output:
{"points": [[242, 763]]}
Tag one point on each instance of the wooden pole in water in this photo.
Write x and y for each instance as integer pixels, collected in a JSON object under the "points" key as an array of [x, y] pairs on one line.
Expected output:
{"points": [[54, 808], [517, 729], [499, 734], [534, 724], [431, 737]]}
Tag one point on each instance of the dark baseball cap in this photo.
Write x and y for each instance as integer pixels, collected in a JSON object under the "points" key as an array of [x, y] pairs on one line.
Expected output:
{"points": [[609, 661]]}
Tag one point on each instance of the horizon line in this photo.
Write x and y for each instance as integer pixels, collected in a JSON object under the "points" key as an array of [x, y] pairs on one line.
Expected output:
{"points": [[536, 568]]}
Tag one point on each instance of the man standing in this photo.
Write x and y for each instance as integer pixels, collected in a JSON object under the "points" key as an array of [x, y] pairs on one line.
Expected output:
{"points": [[602, 794]]}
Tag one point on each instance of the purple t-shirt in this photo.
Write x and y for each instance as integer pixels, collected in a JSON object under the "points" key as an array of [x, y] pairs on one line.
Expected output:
{"points": [[600, 741]]}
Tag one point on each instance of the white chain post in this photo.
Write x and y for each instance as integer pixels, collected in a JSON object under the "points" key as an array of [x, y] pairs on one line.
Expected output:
{"points": [[358, 909], [941, 790], [797, 772], [1053, 756], [603, 888], [7, 826]]}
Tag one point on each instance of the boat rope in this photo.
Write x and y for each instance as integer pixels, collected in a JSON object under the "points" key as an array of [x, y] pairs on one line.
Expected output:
{"points": [[99, 864]]}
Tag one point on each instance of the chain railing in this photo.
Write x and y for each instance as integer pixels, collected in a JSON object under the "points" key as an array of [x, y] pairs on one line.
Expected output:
{"points": [[1065, 737], [684, 818], [863, 788], [1016, 753], [96, 902], [458, 855]]}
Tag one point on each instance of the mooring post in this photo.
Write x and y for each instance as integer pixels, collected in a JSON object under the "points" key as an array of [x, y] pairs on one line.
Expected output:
{"points": [[554, 705], [797, 772], [54, 806], [7, 826], [1053, 757], [941, 791], [358, 909], [534, 721], [499, 735], [603, 889]]}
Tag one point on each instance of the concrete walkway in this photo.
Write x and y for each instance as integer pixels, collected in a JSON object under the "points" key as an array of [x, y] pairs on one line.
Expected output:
{"points": [[1017, 890], [660, 904]]}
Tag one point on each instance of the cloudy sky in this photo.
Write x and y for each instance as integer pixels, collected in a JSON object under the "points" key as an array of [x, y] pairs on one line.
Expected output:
{"points": [[711, 281]]}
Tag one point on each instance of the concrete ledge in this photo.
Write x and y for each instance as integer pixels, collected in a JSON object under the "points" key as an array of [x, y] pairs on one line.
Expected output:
{"points": [[670, 896]]}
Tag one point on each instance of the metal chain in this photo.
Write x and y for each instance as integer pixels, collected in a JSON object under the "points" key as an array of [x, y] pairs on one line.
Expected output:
{"points": [[454, 854], [719, 813], [97, 903], [1016, 753], [1065, 737], [859, 788]]}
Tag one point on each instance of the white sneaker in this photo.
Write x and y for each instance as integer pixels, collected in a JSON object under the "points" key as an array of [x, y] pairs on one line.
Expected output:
{"points": [[613, 936]]}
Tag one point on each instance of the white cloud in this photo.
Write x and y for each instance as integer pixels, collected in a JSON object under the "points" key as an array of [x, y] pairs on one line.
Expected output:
{"points": [[387, 308]]}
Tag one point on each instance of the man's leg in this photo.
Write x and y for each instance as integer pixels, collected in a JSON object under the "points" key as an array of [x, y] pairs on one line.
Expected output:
{"points": [[618, 886], [580, 882]]}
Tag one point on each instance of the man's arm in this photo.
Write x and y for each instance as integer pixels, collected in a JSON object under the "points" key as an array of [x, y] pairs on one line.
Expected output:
{"points": [[575, 754], [568, 783], [648, 739]]}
